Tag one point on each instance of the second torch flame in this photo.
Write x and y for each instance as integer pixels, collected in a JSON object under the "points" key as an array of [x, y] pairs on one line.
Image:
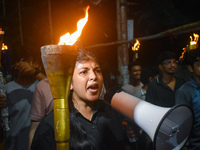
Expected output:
{"points": [[135, 48], [196, 37], [4, 47], [193, 45]]}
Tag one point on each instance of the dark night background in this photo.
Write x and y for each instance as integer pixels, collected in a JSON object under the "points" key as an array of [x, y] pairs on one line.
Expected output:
{"points": [[150, 17]]}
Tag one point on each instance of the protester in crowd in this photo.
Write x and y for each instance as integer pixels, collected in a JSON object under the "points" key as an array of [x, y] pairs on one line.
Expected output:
{"points": [[19, 94], [135, 85], [189, 94], [138, 89], [86, 110], [161, 91], [42, 104]]}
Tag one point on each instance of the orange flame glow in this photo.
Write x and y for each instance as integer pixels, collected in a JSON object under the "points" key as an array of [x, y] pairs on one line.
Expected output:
{"points": [[4, 47], [184, 51], [136, 46], [1, 32], [196, 37], [68, 39]]}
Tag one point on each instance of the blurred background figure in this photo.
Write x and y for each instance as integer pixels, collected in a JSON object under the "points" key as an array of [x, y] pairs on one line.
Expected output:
{"points": [[140, 77], [19, 94], [189, 94], [42, 104], [134, 87]]}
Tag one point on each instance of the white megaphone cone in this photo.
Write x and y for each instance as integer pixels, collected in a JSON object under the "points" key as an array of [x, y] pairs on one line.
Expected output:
{"points": [[169, 128]]}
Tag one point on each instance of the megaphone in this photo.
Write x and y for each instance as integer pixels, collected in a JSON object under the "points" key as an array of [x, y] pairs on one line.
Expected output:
{"points": [[168, 128]]}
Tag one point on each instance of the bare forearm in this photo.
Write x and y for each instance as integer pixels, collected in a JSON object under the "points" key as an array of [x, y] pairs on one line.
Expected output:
{"points": [[33, 128]]}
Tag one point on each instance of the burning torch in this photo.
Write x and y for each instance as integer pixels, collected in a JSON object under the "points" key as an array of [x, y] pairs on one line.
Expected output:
{"points": [[59, 62], [135, 49], [193, 45]]}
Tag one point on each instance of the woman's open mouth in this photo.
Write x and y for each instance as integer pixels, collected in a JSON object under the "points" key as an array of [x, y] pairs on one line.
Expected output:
{"points": [[93, 88]]}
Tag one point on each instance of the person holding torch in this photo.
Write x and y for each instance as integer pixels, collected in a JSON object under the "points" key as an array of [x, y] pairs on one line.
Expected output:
{"points": [[94, 125]]}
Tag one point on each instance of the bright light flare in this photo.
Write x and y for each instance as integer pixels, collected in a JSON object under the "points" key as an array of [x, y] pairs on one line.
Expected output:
{"points": [[4, 47], [136, 46], [1, 32], [68, 39], [196, 37]]}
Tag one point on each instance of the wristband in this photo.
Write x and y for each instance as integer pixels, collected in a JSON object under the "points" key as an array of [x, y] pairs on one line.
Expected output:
{"points": [[36, 72]]}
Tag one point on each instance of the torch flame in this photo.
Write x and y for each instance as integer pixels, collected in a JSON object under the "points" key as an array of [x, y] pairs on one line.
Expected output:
{"points": [[4, 47], [68, 39], [196, 37], [136, 46]]}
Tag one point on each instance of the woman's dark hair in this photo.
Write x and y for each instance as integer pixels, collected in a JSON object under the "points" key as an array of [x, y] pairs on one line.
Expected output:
{"points": [[84, 55], [79, 139]]}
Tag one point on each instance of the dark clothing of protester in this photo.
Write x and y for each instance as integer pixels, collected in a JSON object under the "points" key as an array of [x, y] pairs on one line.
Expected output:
{"points": [[105, 129], [189, 94], [158, 93]]}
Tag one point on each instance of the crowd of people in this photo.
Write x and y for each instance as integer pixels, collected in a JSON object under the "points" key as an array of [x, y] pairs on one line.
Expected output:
{"points": [[94, 124]]}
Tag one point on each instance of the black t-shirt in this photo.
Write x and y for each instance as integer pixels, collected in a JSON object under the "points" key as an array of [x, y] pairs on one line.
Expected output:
{"points": [[105, 129], [158, 93]]}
